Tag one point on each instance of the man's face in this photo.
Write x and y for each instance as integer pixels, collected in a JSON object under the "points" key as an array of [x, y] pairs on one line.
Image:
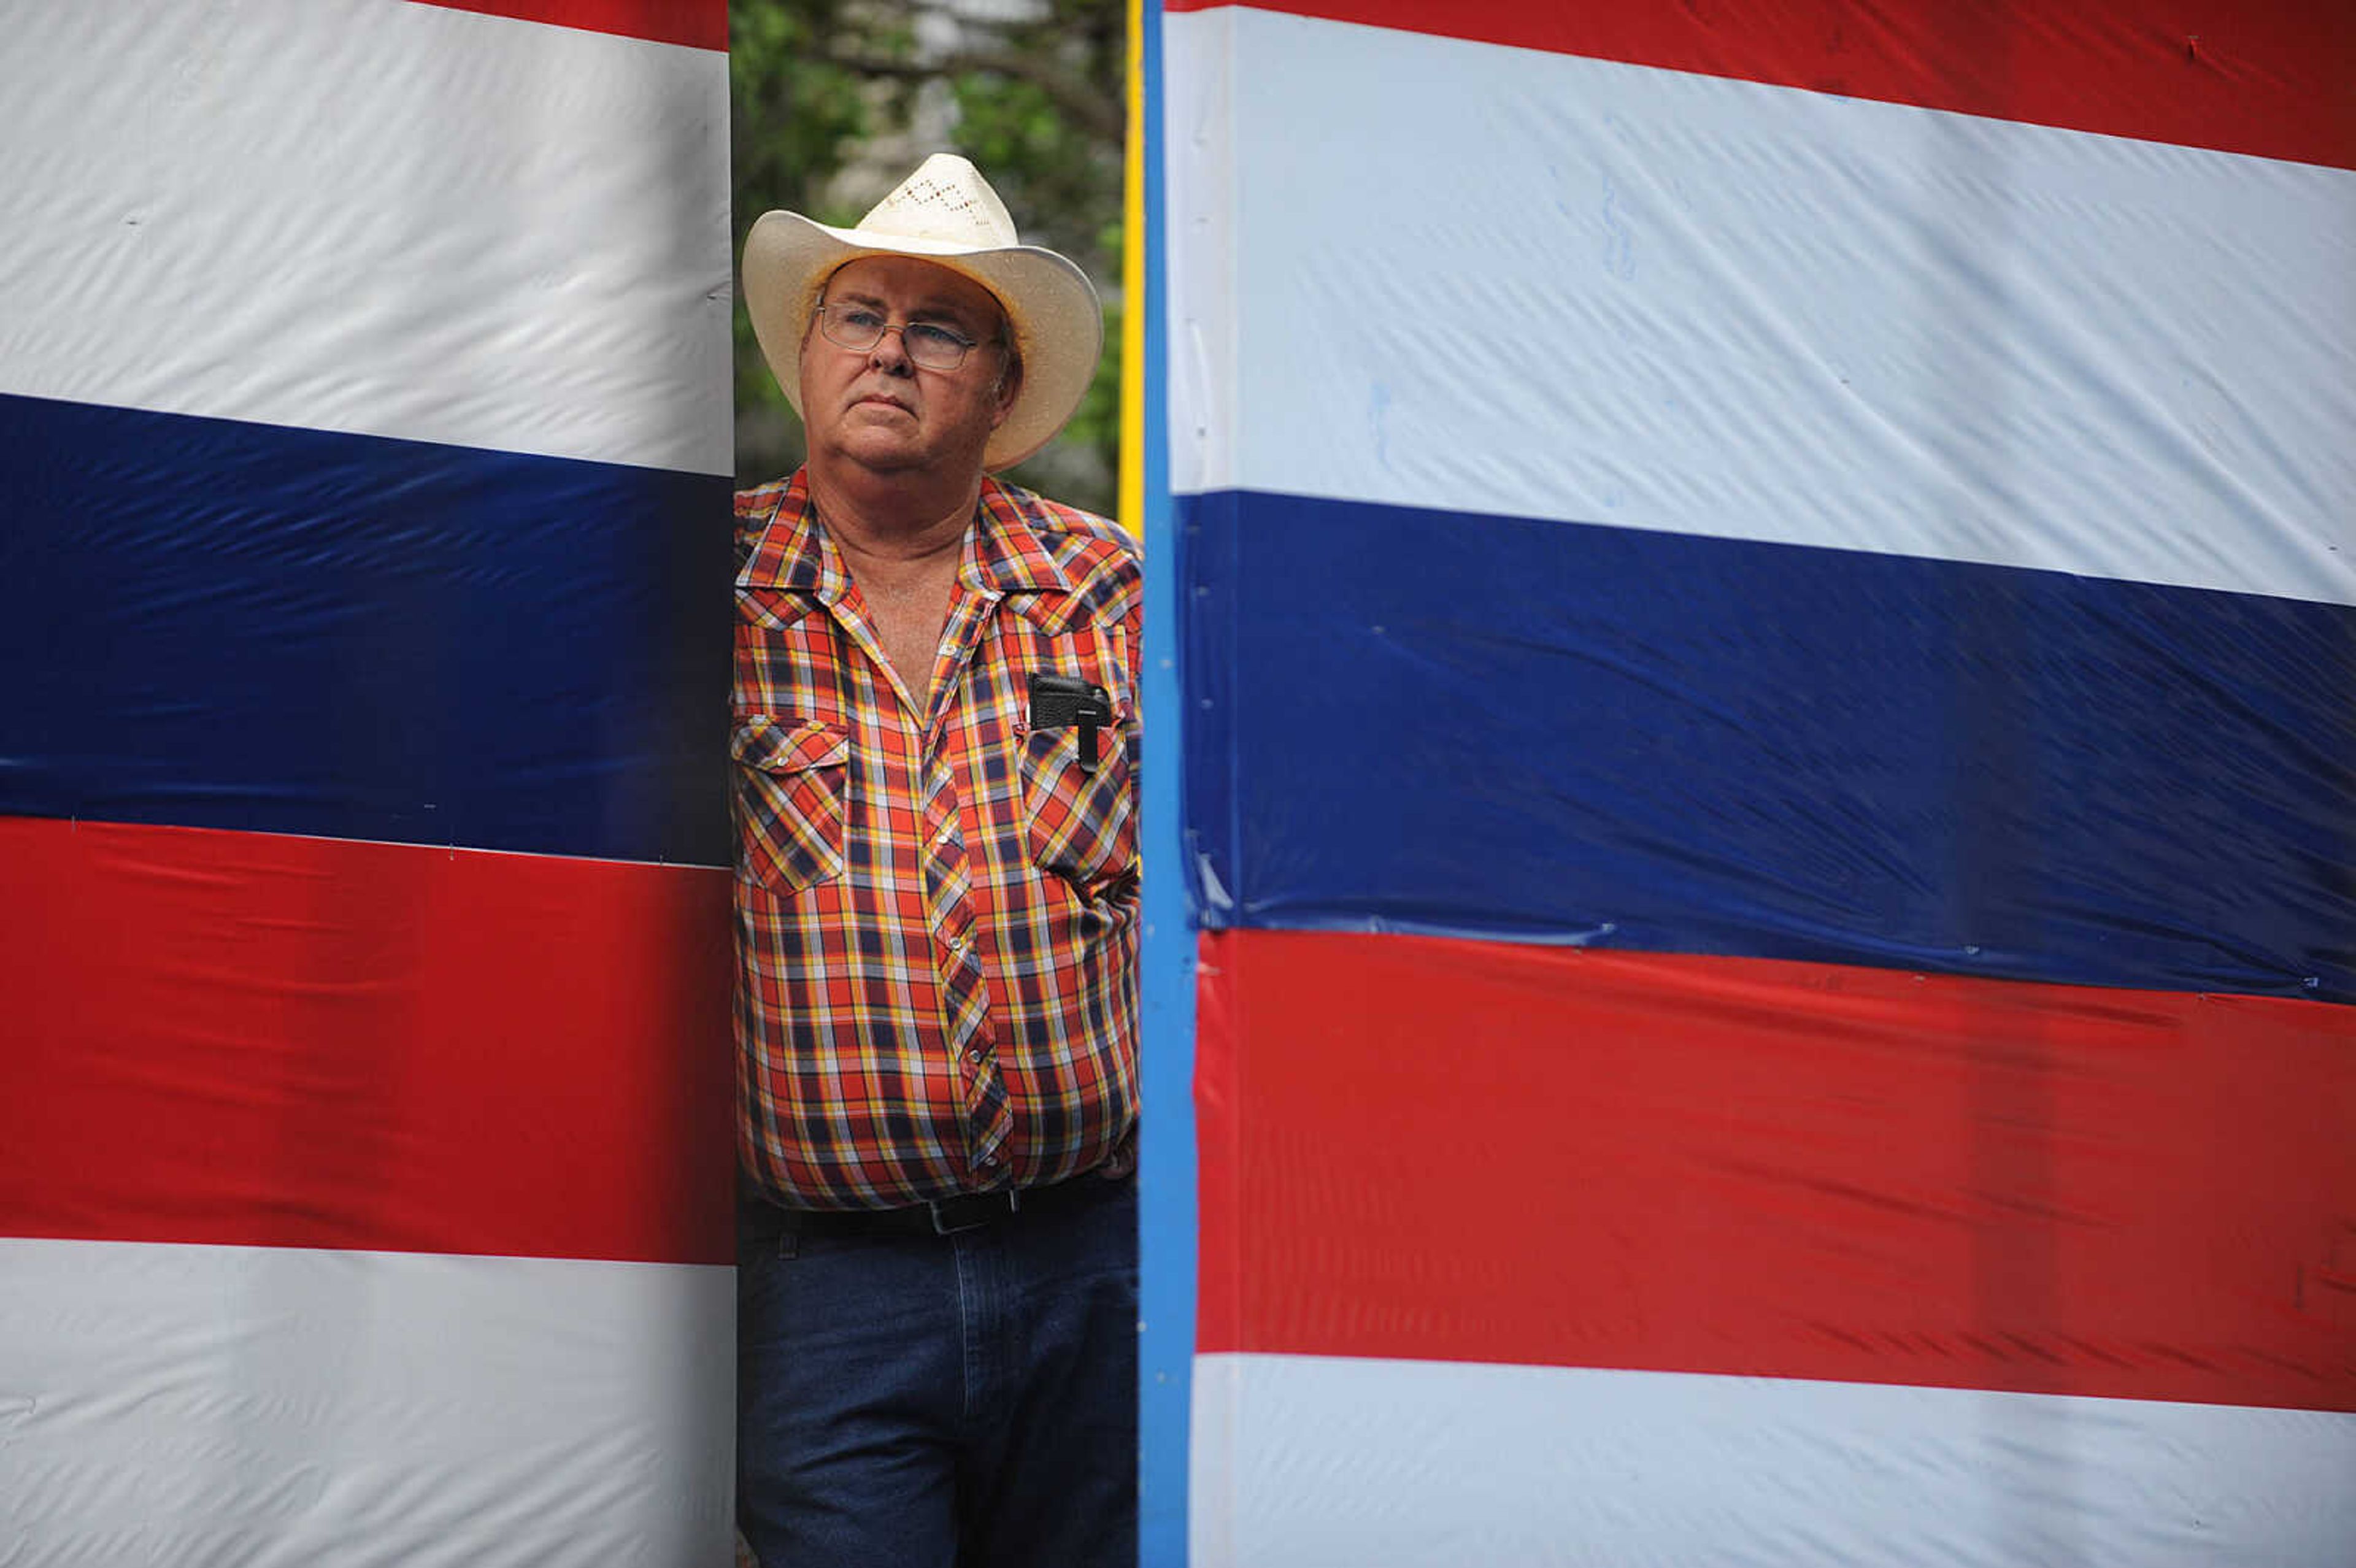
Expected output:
{"points": [[878, 408]]}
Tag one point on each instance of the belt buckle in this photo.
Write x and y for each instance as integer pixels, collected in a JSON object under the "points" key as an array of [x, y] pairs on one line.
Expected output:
{"points": [[985, 1210]]}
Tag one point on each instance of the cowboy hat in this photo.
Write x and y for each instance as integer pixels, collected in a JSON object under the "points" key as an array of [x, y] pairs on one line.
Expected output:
{"points": [[945, 213]]}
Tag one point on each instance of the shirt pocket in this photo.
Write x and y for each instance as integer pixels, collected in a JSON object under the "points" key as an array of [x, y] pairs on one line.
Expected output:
{"points": [[1082, 824], [791, 775]]}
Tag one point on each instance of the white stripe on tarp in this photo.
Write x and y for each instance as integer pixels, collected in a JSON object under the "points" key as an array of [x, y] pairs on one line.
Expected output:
{"points": [[1305, 1461], [371, 217], [1438, 273], [264, 1406]]}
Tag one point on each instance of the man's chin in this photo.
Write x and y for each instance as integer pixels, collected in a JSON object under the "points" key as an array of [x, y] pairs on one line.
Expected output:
{"points": [[883, 451], [879, 450]]}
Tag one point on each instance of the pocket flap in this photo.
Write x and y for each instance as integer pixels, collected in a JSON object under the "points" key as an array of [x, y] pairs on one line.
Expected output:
{"points": [[777, 745]]}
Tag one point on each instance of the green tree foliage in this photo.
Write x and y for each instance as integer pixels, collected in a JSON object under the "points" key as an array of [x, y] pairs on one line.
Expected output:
{"points": [[834, 101]]}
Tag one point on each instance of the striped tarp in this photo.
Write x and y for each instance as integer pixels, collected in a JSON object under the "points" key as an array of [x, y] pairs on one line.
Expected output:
{"points": [[1767, 657], [364, 456]]}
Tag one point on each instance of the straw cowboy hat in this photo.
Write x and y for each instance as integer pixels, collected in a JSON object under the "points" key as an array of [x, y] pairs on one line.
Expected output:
{"points": [[945, 212]]}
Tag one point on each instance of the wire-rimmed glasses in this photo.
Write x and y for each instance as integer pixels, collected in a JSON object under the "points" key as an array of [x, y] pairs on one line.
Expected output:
{"points": [[928, 343]]}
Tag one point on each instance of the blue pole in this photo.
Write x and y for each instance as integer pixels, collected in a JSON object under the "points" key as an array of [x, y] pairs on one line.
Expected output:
{"points": [[1166, 1360]]}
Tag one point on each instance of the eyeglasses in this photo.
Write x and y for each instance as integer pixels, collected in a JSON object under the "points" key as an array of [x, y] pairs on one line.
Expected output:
{"points": [[859, 328]]}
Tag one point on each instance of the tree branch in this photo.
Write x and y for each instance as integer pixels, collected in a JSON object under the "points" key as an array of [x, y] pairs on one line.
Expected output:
{"points": [[1078, 98]]}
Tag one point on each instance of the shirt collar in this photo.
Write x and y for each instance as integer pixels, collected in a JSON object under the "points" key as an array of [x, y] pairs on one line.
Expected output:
{"points": [[1002, 552], [792, 550]]}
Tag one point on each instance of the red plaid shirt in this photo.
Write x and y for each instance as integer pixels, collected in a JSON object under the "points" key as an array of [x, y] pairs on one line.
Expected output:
{"points": [[935, 913]]}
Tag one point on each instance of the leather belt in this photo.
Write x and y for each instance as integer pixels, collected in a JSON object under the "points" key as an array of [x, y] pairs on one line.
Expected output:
{"points": [[942, 1216]]}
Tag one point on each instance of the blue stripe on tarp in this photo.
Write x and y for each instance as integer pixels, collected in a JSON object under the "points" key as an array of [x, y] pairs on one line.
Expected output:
{"points": [[1418, 721], [220, 625]]}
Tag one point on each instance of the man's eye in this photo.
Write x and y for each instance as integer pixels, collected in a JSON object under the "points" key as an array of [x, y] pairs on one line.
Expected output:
{"points": [[864, 320], [933, 336]]}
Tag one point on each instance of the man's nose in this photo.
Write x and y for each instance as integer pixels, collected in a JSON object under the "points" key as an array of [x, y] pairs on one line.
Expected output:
{"points": [[890, 353]]}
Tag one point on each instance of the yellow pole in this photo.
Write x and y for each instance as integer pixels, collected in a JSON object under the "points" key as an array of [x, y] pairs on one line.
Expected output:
{"points": [[1132, 285]]}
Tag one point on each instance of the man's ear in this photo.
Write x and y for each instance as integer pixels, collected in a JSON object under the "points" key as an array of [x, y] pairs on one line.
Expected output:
{"points": [[1009, 387], [802, 352]]}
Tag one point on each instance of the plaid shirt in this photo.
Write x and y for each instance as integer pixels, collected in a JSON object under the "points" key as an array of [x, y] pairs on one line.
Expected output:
{"points": [[935, 913]]}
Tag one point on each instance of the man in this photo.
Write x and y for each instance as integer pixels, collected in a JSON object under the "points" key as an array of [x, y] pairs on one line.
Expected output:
{"points": [[934, 733]]}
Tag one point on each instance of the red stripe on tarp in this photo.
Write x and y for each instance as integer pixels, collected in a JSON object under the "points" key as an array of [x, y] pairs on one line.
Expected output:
{"points": [[245, 1038], [701, 23], [2271, 78], [1465, 1151]]}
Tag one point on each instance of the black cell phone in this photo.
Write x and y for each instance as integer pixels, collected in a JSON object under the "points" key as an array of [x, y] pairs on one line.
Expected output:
{"points": [[1061, 701]]}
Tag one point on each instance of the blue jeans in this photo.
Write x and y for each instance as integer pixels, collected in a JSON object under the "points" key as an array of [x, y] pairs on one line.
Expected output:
{"points": [[941, 1402]]}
